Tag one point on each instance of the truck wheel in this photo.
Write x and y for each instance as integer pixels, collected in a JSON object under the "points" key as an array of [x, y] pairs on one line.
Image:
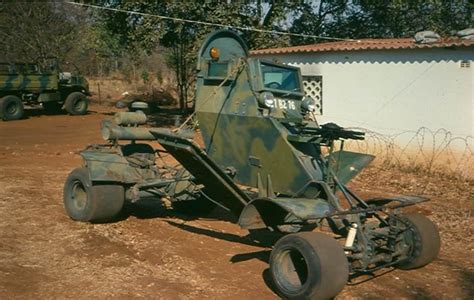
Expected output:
{"points": [[52, 107], [76, 103], [11, 108], [89, 202], [308, 265], [422, 238]]}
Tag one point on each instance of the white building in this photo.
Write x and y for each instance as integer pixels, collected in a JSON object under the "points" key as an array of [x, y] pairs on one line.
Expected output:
{"points": [[388, 85]]}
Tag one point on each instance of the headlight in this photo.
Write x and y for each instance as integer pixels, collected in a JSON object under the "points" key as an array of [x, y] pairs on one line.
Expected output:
{"points": [[308, 105], [267, 99]]}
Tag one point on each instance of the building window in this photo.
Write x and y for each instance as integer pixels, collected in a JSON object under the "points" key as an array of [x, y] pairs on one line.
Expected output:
{"points": [[465, 64], [313, 87]]}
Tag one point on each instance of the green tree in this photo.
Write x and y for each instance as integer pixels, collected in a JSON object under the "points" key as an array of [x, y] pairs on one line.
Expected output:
{"points": [[38, 29], [317, 18], [403, 18]]}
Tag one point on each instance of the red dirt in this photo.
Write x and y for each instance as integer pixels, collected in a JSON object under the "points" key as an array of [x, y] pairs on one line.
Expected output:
{"points": [[153, 252]]}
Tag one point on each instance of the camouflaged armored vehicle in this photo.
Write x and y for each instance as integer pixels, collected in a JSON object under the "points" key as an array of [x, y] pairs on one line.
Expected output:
{"points": [[34, 83], [266, 162]]}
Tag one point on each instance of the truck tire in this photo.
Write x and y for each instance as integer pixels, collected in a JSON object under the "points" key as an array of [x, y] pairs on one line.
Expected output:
{"points": [[89, 202], [308, 265], [136, 106], [11, 108], [52, 107], [76, 103], [423, 240]]}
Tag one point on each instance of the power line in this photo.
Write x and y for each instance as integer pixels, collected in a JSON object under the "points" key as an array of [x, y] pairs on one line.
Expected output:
{"points": [[211, 24]]}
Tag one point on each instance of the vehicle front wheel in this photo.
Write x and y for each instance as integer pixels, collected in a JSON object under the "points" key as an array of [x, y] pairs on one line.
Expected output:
{"points": [[89, 202], [422, 239], [76, 103], [11, 108], [308, 265]]}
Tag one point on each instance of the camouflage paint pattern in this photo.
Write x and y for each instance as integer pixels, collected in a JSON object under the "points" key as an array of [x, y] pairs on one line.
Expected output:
{"points": [[239, 131], [33, 81], [110, 165], [21, 79]]}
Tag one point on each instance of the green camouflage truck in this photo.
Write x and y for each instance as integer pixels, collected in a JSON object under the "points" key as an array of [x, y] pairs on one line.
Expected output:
{"points": [[35, 83]]}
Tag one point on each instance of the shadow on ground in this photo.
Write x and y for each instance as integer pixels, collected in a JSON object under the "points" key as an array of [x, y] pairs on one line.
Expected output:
{"points": [[466, 274], [150, 208], [35, 112]]}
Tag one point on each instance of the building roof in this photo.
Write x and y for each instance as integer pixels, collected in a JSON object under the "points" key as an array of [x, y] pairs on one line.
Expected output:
{"points": [[367, 44]]}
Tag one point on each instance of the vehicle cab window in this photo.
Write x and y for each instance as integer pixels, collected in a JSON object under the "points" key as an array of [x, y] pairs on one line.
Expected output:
{"points": [[280, 78]]}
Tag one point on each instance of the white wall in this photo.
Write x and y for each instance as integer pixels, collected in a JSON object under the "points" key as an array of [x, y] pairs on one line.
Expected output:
{"points": [[391, 91]]}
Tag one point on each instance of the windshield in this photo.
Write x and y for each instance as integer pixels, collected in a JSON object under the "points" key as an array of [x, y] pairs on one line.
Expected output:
{"points": [[280, 78]]}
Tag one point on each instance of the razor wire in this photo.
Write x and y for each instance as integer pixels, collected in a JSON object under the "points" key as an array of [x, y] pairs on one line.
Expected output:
{"points": [[424, 150]]}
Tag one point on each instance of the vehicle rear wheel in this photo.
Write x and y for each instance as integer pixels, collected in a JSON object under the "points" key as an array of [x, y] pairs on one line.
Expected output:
{"points": [[52, 107], [308, 265], [422, 238], [11, 108], [86, 202], [76, 103]]}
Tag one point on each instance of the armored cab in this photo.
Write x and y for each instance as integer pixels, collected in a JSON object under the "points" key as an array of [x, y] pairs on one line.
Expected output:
{"points": [[251, 114]]}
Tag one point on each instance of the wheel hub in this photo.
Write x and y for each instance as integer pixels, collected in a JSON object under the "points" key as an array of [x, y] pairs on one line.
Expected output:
{"points": [[292, 270], [12, 108], [79, 195], [79, 105]]}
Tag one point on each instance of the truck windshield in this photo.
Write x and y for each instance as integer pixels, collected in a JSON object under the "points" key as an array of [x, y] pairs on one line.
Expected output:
{"points": [[280, 78]]}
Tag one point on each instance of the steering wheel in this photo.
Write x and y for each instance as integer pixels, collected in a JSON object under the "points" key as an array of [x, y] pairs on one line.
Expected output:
{"points": [[273, 85]]}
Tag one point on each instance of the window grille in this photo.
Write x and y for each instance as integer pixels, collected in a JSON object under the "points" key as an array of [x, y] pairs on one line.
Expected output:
{"points": [[313, 87]]}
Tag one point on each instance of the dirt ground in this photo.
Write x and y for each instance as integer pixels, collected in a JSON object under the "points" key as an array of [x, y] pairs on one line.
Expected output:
{"points": [[153, 252]]}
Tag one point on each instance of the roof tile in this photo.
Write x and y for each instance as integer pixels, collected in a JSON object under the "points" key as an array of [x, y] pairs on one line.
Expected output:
{"points": [[367, 44]]}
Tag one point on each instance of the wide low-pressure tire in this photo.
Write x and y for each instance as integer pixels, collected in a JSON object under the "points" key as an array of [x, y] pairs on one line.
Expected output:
{"points": [[76, 103], [308, 265], [423, 240], [11, 108], [86, 202]]}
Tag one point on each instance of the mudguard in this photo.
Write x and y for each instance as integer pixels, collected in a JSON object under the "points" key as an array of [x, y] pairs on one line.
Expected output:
{"points": [[347, 164], [264, 212]]}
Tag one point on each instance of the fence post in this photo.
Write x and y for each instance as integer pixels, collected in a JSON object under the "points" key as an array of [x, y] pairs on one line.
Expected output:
{"points": [[98, 89]]}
